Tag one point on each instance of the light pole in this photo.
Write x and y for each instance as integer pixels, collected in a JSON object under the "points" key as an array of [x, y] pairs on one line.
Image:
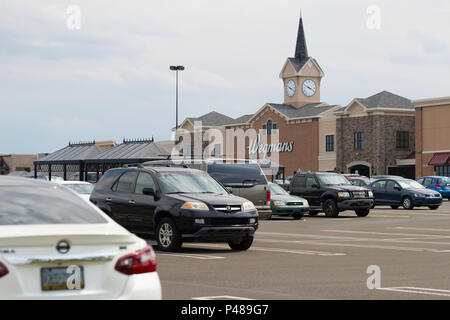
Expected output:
{"points": [[176, 68]]}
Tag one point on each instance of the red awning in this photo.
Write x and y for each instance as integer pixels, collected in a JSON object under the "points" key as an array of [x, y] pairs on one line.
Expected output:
{"points": [[440, 159]]}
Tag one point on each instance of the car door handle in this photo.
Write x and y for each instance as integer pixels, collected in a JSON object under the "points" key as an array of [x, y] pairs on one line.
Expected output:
{"points": [[131, 201], [108, 199]]}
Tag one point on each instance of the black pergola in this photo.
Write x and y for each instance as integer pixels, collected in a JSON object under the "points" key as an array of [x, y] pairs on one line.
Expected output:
{"points": [[128, 152], [90, 158], [70, 159]]}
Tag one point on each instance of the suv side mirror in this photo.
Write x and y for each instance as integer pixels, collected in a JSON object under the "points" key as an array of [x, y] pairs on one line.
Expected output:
{"points": [[149, 191], [315, 186], [397, 188], [229, 189]]}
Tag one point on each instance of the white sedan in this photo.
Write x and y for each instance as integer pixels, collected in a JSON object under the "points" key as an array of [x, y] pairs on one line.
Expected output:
{"points": [[53, 246], [83, 189]]}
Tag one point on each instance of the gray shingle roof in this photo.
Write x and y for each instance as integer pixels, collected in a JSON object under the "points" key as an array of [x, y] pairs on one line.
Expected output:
{"points": [[242, 119], [386, 99], [213, 118], [309, 110]]}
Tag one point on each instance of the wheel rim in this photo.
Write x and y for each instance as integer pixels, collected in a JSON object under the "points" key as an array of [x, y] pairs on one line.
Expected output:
{"points": [[329, 208], [165, 235], [406, 203]]}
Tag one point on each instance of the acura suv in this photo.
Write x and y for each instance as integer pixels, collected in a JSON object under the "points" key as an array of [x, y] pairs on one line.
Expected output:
{"points": [[176, 205]]}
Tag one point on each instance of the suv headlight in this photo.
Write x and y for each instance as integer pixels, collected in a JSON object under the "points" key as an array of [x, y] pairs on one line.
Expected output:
{"points": [[194, 205], [344, 194], [279, 203], [248, 206], [370, 194]]}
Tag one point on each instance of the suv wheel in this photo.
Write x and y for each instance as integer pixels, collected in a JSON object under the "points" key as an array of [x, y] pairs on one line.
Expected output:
{"points": [[167, 235], [407, 203], [362, 212], [242, 244], [330, 208], [297, 216]]}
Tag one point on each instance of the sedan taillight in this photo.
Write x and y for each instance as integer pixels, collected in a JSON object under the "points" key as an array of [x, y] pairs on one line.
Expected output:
{"points": [[142, 261], [3, 270]]}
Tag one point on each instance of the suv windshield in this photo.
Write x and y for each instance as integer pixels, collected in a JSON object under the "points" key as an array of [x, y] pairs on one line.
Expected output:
{"points": [[277, 190], [183, 182], [332, 179], [237, 173], [410, 184]]}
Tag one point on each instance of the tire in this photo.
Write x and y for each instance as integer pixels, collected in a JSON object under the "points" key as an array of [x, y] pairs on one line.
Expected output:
{"points": [[242, 245], [313, 213], [330, 208], [167, 235], [362, 212], [407, 203], [297, 216], [394, 207], [433, 207]]}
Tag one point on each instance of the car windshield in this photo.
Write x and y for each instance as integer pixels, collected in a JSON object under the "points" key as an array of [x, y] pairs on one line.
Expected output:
{"points": [[237, 173], [183, 182], [80, 188], [277, 190], [444, 180], [332, 179], [410, 184], [25, 205]]}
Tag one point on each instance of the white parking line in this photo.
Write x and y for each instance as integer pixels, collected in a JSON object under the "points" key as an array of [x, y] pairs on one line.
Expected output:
{"points": [[427, 291], [192, 256], [386, 233], [280, 250], [421, 229], [221, 298]]}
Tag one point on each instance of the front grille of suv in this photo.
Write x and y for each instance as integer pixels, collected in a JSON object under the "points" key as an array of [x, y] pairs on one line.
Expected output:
{"points": [[359, 194]]}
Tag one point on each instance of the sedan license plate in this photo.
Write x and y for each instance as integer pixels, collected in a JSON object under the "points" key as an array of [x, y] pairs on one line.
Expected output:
{"points": [[56, 278]]}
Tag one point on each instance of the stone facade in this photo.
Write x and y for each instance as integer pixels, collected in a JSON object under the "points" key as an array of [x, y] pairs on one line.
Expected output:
{"points": [[379, 148]]}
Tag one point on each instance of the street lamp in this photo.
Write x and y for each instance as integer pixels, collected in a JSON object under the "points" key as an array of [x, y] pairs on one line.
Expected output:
{"points": [[176, 68]]}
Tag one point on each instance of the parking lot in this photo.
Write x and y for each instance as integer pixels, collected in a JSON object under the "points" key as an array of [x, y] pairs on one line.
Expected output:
{"points": [[321, 258]]}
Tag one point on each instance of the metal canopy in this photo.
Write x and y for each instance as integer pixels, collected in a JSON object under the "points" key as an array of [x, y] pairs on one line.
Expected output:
{"points": [[131, 151], [72, 154]]}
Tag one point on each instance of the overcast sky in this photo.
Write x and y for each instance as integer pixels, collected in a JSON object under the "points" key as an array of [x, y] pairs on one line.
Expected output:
{"points": [[110, 79]]}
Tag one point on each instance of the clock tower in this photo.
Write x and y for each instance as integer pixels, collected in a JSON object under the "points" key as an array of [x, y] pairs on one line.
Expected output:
{"points": [[301, 75]]}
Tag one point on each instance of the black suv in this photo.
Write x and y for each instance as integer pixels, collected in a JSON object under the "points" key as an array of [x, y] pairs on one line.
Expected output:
{"points": [[332, 193], [175, 205]]}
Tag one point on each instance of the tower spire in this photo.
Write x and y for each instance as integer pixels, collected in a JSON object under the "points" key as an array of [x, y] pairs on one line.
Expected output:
{"points": [[301, 51]]}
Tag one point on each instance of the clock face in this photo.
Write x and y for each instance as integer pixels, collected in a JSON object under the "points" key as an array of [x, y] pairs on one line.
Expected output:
{"points": [[290, 88], [309, 88]]}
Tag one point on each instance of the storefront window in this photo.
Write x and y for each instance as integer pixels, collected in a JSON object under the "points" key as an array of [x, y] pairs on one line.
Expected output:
{"points": [[442, 171]]}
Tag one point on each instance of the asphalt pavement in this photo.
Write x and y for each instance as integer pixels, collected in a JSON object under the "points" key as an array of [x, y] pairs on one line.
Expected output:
{"points": [[390, 254]]}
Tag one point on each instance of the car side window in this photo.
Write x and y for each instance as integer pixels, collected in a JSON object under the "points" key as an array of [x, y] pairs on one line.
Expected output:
{"points": [[420, 180], [390, 185], [144, 180], [380, 184], [126, 182], [428, 181], [299, 182], [310, 181]]}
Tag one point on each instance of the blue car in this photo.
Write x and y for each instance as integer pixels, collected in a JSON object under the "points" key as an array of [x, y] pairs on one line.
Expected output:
{"points": [[438, 183], [396, 192]]}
